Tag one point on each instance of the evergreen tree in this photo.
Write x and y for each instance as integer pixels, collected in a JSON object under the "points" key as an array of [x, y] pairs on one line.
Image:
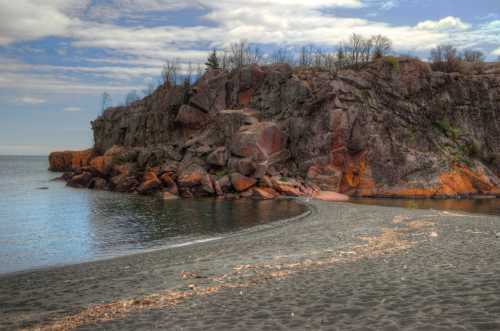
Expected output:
{"points": [[212, 61]]}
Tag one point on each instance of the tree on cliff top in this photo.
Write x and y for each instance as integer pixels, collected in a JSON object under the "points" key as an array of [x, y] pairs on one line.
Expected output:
{"points": [[212, 61], [105, 101], [170, 71], [381, 46], [131, 97], [445, 58]]}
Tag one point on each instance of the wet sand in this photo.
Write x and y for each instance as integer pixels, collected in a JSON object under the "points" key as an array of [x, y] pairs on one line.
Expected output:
{"points": [[344, 267]]}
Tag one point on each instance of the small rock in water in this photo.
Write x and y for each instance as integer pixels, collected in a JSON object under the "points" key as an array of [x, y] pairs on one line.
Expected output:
{"points": [[42, 188], [498, 235]]}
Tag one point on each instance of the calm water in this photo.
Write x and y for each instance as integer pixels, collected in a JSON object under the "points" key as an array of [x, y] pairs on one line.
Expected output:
{"points": [[482, 206], [61, 225]]}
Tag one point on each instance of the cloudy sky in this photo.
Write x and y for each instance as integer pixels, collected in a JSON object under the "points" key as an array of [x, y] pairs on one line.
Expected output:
{"points": [[58, 56]]}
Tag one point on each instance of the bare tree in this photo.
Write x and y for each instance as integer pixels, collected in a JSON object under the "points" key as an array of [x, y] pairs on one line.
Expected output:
{"points": [[188, 76], [306, 56], [170, 71], [226, 61], [445, 58], [105, 101], [238, 50], [149, 89], [341, 55], [381, 46], [199, 71], [366, 49], [355, 47], [131, 97], [282, 55], [470, 55]]}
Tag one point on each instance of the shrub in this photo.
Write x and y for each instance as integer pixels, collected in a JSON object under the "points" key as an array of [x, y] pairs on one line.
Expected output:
{"points": [[393, 62]]}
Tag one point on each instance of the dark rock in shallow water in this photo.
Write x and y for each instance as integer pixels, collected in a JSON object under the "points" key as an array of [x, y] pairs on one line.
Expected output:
{"points": [[81, 180], [42, 188]]}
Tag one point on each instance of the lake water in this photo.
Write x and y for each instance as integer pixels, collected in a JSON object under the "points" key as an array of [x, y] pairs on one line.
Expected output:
{"points": [[44, 223], [488, 206]]}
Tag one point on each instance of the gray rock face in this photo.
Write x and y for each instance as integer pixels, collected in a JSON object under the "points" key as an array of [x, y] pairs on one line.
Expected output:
{"points": [[378, 131]]}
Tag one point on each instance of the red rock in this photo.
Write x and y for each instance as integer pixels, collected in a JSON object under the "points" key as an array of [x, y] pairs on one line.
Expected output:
{"points": [[149, 186], [70, 160], [122, 169], [225, 184], [247, 194], [98, 184], [326, 177], [191, 176], [286, 187], [258, 141], [122, 183], [150, 175], [102, 164], [265, 182], [116, 151], [169, 196], [207, 185], [264, 193], [216, 186], [330, 196], [169, 183], [191, 117], [81, 180], [245, 166], [218, 157], [242, 183]]}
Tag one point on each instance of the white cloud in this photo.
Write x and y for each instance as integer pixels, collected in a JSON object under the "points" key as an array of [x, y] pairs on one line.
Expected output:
{"points": [[447, 23], [72, 109], [33, 19], [30, 100], [496, 52]]}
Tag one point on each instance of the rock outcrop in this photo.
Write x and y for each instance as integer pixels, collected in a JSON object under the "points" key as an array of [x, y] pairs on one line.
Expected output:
{"points": [[263, 131], [70, 160]]}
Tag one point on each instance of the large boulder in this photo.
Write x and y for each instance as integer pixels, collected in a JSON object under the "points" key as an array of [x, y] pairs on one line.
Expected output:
{"points": [[150, 184], [191, 117], [218, 157], [124, 184], [81, 180], [258, 141], [242, 183], [195, 179]]}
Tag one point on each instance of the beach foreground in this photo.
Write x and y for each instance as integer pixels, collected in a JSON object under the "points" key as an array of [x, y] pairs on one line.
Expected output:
{"points": [[342, 267]]}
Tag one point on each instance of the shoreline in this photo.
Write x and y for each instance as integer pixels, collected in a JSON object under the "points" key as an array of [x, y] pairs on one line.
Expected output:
{"points": [[241, 232], [318, 243]]}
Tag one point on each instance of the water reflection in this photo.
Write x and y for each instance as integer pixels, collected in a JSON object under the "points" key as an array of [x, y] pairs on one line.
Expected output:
{"points": [[138, 222], [482, 206], [61, 225]]}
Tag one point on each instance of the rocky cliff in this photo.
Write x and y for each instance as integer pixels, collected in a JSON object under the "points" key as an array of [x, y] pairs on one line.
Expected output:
{"points": [[392, 128]]}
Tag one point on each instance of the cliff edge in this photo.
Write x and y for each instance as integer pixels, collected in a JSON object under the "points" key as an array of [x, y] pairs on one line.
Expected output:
{"points": [[393, 128]]}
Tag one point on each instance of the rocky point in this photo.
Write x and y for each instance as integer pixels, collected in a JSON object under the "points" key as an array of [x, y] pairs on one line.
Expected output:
{"points": [[264, 131]]}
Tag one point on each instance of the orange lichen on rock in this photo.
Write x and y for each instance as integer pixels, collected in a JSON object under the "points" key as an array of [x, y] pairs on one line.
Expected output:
{"points": [[264, 193], [102, 164], [357, 179], [245, 97], [70, 160]]}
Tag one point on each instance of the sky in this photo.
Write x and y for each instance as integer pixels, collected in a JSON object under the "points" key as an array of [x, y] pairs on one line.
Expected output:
{"points": [[57, 57]]}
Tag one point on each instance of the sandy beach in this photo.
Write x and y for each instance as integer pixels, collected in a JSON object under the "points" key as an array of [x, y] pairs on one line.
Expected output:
{"points": [[340, 267]]}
